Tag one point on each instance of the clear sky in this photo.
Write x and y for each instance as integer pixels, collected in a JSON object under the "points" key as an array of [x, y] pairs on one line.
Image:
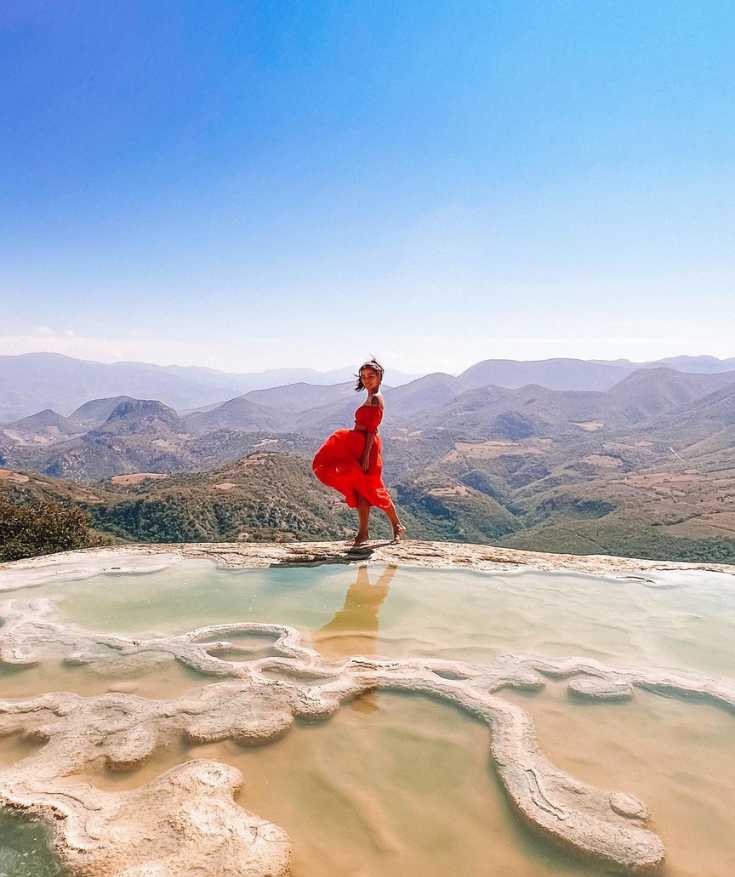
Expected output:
{"points": [[248, 185]]}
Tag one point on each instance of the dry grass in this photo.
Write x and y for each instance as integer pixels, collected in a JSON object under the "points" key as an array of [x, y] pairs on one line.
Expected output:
{"points": [[605, 461], [491, 450], [137, 478], [14, 477], [456, 490], [705, 525]]}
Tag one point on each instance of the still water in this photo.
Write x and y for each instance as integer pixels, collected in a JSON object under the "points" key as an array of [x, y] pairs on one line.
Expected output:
{"points": [[684, 621], [403, 786]]}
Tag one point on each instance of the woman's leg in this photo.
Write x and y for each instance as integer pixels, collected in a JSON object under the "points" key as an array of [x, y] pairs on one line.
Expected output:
{"points": [[398, 528], [363, 511]]}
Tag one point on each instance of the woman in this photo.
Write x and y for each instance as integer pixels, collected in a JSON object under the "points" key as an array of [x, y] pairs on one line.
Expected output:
{"points": [[350, 459]]}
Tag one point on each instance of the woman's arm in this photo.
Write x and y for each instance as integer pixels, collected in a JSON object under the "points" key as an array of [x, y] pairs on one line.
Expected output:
{"points": [[365, 461]]}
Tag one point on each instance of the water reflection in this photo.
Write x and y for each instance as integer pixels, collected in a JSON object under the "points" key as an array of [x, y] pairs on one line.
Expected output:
{"points": [[354, 628]]}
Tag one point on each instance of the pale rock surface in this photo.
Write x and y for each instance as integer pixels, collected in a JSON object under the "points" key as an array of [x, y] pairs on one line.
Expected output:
{"points": [[185, 822]]}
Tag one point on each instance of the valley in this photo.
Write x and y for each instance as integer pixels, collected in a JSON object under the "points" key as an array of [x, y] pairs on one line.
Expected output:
{"points": [[643, 468]]}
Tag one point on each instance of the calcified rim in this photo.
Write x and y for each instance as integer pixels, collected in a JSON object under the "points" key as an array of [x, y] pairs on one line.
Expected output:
{"points": [[74, 565], [177, 824]]}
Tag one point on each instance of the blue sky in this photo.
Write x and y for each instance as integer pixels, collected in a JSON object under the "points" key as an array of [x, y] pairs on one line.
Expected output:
{"points": [[248, 185]]}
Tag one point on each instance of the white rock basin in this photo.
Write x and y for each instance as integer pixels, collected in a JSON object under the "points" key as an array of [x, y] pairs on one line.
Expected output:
{"points": [[118, 667]]}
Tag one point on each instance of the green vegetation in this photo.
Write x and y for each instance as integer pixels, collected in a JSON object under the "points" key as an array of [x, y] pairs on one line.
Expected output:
{"points": [[262, 497], [624, 535], [40, 528], [454, 512], [538, 496]]}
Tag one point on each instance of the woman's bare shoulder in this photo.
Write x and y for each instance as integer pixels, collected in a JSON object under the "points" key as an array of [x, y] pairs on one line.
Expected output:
{"points": [[377, 400]]}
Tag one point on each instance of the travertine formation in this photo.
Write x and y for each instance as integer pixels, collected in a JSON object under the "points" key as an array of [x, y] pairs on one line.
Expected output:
{"points": [[73, 565], [186, 821]]}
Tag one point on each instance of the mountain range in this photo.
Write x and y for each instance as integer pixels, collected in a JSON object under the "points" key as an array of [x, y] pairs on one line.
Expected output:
{"points": [[32, 382], [645, 466]]}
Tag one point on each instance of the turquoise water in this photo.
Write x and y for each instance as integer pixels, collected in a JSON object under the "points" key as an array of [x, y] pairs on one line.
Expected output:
{"points": [[24, 849], [686, 624]]}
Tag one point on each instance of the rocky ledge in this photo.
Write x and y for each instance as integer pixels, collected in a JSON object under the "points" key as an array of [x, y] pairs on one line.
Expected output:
{"points": [[73, 565], [186, 821]]}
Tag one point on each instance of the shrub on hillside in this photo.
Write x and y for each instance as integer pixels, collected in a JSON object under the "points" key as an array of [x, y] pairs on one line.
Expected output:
{"points": [[40, 528]]}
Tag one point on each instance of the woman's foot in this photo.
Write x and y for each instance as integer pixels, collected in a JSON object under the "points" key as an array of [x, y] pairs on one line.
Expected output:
{"points": [[360, 540], [398, 531]]}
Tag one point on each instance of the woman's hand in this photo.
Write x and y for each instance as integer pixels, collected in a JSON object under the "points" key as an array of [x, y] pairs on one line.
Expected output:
{"points": [[365, 462]]}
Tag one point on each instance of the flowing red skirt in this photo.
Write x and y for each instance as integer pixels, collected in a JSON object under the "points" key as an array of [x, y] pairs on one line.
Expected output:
{"points": [[337, 464]]}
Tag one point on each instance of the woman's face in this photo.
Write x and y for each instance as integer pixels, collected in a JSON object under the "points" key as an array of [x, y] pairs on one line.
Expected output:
{"points": [[370, 378]]}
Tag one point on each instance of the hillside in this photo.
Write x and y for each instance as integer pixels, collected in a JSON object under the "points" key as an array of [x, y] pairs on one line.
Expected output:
{"points": [[261, 497], [495, 412], [556, 374], [423, 394], [698, 364], [663, 488], [96, 411], [492, 492], [140, 417], [43, 428], [28, 486], [424, 420], [136, 435], [671, 512], [239, 414], [702, 426], [292, 398], [642, 468], [648, 393]]}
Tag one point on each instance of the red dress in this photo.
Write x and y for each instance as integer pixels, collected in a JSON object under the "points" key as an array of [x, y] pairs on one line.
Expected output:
{"points": [[337, 462]]}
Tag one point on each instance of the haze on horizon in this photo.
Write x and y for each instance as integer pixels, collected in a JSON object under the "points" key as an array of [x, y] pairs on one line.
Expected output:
{"points": [[249, 186]]}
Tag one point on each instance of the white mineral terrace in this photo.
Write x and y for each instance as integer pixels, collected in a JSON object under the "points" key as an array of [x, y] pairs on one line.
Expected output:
{"points": [[186, 822]]}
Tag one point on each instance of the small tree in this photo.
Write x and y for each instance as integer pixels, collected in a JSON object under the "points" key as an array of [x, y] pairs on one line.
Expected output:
{"points": [[40, 527]]}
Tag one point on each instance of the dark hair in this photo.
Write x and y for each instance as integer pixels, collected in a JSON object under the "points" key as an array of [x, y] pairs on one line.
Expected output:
{"points": [[372, 363]]}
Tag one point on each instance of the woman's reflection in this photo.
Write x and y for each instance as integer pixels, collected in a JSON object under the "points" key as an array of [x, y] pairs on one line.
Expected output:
{"points": [[354, 628]]}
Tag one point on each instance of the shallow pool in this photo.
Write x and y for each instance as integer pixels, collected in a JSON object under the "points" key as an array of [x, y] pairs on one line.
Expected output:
{"points": [[401, 785], [24, 849], [685, 621]]}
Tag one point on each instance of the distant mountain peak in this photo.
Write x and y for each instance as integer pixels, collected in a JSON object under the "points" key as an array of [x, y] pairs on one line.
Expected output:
{"points": [[96, 411], [47, 417], [133, 406], [141, 415]]}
